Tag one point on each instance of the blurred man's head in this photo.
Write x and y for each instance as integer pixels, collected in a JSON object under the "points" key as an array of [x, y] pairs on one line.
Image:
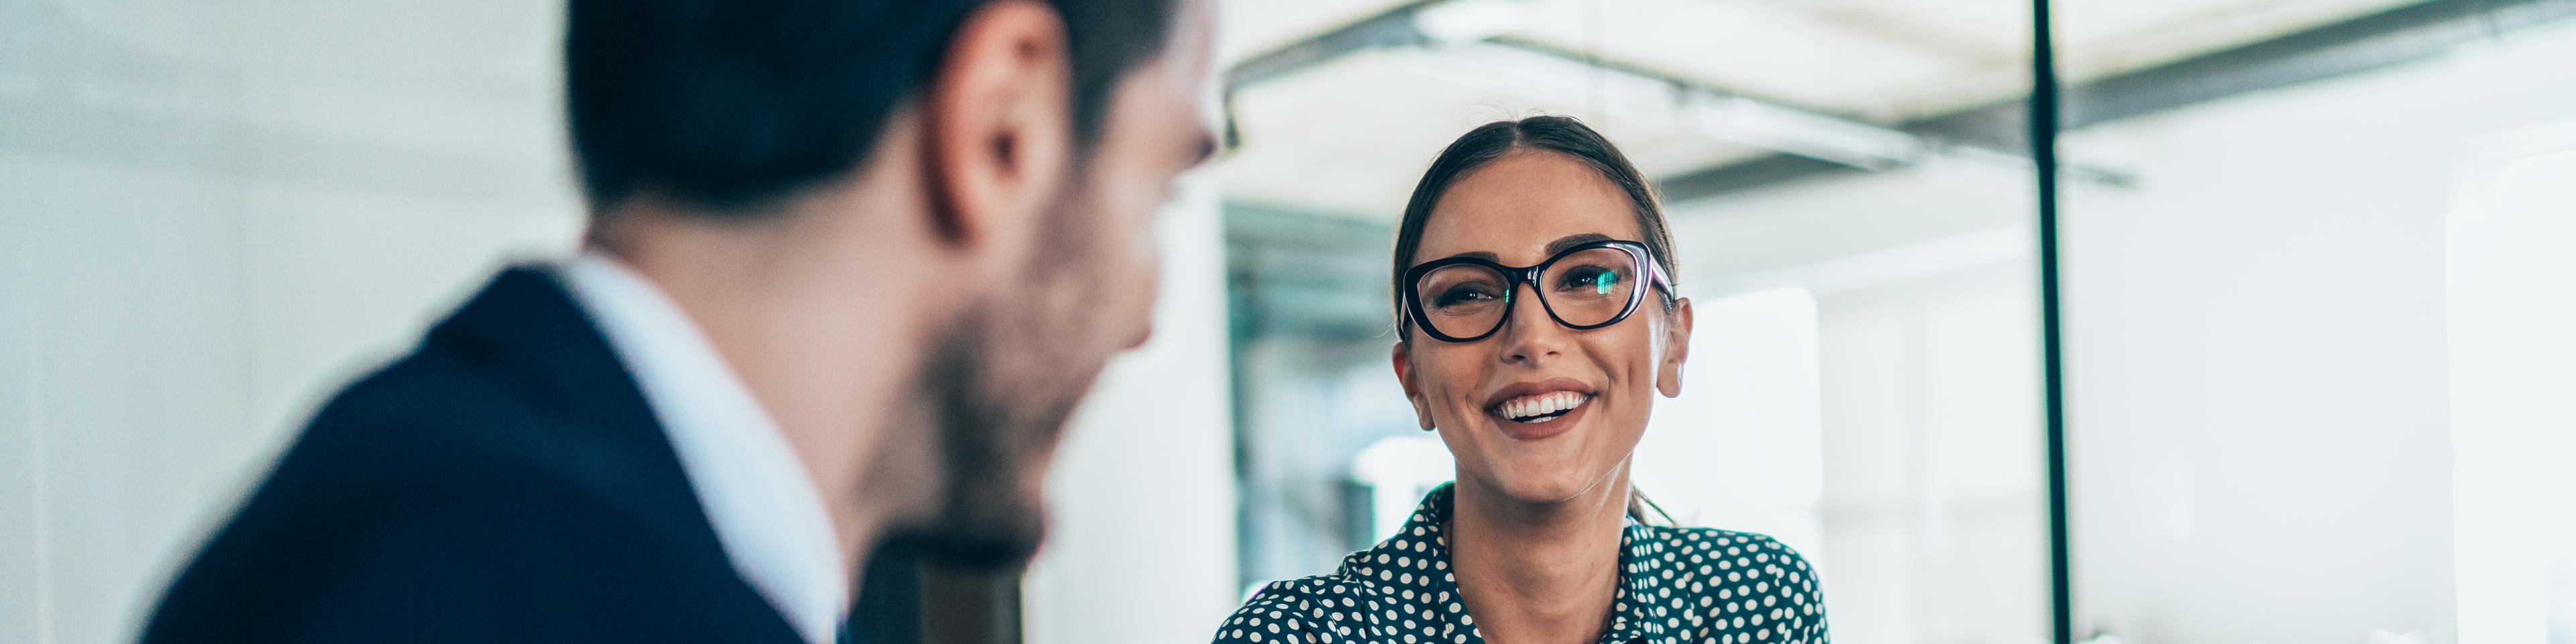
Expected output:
{"points": [[990, 169]]}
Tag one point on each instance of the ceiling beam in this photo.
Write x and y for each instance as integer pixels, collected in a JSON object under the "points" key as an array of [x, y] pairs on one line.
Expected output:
{"points": [[1391, 28], [2399, 35]]}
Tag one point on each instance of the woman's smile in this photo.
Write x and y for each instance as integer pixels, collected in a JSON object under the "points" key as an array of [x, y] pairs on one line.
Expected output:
{"points": [[1538, 410]]}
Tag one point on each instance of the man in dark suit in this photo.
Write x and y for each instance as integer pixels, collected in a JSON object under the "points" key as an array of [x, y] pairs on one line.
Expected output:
{"points": [[851, 264]]}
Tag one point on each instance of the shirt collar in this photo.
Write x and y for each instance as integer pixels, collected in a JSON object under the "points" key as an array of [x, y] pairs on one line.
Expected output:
{"points": [[1634, 609], [757, 494]]}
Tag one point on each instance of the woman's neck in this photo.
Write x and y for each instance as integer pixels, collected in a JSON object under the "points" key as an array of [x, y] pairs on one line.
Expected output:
{"points": [[1537, 574]]}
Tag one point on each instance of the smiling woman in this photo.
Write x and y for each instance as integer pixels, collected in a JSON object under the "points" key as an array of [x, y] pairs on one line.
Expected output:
{"points": [[1521, 272]]}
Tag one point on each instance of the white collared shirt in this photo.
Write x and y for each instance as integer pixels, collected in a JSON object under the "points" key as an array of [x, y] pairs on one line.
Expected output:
{"points": [[756, 492]]}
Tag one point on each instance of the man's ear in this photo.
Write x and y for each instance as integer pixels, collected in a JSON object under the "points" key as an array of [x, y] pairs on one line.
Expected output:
{"points": [[1000, 129], [1404, 375], [1677, 332]]}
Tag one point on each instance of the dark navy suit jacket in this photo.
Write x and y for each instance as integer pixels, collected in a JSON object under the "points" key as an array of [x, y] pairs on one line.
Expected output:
{"points": [[505, 482]]}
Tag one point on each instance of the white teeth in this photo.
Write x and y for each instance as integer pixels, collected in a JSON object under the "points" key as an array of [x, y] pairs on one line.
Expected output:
{"points": [[1540, 405]]}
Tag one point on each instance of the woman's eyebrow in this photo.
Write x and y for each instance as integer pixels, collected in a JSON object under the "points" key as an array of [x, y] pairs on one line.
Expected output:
{"points": [[1554, 247], [1570, 241]]}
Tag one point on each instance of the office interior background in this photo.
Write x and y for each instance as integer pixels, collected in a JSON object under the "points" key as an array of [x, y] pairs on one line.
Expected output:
{"points": [[2317, 294]]}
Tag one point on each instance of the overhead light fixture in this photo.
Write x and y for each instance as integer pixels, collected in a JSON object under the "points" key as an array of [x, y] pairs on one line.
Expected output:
{"points": [[1465, 21], [1799, 132]]}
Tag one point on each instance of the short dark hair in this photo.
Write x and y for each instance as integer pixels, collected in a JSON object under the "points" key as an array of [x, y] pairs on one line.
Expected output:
{"points": [[730, 104]]}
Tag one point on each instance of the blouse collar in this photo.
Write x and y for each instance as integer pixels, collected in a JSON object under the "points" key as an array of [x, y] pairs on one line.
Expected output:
{"points": [[1634, 610]]}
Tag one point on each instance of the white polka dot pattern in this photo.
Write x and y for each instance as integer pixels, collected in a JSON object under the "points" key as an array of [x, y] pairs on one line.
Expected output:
{"points": [[1683, 586]]}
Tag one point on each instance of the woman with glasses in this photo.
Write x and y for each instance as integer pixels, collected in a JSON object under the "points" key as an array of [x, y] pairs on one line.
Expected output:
{"points": [[1536, 322]]}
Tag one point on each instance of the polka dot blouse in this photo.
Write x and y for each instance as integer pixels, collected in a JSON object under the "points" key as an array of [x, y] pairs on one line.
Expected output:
{"points": [[1682, 586]]}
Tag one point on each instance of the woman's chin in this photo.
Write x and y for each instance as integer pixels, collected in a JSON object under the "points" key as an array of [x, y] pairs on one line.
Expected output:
{"points": [[1538, 473], [1545, 488]]}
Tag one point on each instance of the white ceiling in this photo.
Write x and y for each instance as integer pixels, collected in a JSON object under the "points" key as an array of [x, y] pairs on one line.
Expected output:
{"points": [[1352, 135]]}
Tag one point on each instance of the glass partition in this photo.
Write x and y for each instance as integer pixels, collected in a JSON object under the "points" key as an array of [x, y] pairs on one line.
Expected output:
{"points": [[2317, 341]]}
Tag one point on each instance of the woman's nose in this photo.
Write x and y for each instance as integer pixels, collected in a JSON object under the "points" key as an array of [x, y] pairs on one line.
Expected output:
{"points": [[1531, 336]]}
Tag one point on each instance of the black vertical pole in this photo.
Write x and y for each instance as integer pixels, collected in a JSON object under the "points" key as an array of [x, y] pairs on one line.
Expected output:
{"points": [[2043, 154]]}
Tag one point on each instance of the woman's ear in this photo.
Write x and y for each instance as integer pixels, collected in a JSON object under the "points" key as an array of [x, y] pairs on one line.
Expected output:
{"points": [[1404, 375], [1677, 332]]}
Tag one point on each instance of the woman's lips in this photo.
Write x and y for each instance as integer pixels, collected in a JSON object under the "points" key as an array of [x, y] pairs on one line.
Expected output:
{"points": [[1521, 389], [1540, 416], [1539, 407]]}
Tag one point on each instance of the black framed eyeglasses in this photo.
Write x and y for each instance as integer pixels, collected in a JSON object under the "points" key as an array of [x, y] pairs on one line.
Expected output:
{"points": [[1589, 286]]}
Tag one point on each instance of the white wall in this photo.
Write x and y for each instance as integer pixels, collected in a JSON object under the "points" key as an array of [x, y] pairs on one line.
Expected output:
{"points": [[1928, 506], [212, 215], [2513, 422], [1934, 499], [1742, 447], [2256, 346]]}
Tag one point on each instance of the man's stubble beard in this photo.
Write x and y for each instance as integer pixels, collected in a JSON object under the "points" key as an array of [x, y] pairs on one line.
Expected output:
{"points": [[1002, 381]]}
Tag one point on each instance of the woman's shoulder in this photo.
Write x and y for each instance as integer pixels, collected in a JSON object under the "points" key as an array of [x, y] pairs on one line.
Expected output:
{"points": [[1318, 609], [1751, 545], [1364, 600], [1723, 555], [1748, 582]]}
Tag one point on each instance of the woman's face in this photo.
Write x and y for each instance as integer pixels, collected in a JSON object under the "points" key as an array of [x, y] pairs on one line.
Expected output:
{"points": [[1521, 208]]}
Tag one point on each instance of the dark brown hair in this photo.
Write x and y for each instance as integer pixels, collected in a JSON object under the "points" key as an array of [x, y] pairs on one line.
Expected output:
{"points": [[1542, 134]]}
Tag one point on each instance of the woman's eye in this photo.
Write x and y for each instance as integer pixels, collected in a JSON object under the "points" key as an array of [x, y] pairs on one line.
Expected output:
{"points": [[1456, 295], [1592, 279]]}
